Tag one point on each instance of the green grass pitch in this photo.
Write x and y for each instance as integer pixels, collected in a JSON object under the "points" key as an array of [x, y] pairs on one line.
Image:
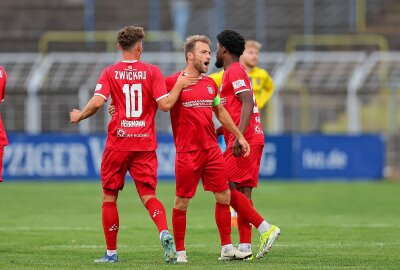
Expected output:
{"points": [[324, 226]]}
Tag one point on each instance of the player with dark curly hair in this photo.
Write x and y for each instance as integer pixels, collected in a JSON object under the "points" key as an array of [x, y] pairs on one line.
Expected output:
{"points": [[238, 99]]}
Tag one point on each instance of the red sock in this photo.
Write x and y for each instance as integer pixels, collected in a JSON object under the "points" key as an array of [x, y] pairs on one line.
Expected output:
{"points": [[223, 220], [244, 228], [179, 226], [157, 213], [110, 224], [243, 207]]}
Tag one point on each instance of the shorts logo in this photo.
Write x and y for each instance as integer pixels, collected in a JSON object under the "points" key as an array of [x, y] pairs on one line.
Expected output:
{"points": [[258, 130], [121, 133], [98, 87], [237, 84], [210, 90]]}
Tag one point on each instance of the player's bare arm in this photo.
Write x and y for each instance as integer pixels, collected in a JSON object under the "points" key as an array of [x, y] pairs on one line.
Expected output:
{"points": [[165, 104], [227, 122], [94, 104], [246, 97]]}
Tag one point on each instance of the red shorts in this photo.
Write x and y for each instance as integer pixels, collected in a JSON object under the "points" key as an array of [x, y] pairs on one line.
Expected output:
{"points": [[1, 162], [207, 164], [244, 170], [142, 166]]}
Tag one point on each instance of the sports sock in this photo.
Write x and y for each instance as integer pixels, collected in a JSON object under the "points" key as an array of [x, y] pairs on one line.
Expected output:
{"points": [[243, 207], [246, 247], [157, 213], [227, 247], [110, 224], [244, 228], [223, 220], [179, 226], [111, 252], [264, 226]]}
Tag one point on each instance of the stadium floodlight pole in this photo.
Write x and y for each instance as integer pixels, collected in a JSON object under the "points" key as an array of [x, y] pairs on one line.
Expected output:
{"points": [[260, 19], [90, 22]]}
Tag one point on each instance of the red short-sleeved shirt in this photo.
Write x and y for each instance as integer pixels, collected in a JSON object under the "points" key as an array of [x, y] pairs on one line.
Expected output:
{"points": [[3, 81], [234, 81], [191, 116], [135, 87]]}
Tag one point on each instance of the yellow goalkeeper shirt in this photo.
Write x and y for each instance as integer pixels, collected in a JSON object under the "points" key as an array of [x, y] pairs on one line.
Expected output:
{"points": [[262, 84]]}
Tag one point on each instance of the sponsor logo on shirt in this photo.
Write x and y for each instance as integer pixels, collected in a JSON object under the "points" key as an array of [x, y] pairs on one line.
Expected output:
{"points": [[98, 87], [237, 84], [133, 123], [210, 90], [223, 100], [121, 133], [258, 119], [203, 103]]}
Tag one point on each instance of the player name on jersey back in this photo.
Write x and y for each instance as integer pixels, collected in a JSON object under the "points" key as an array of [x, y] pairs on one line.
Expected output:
{"points": [[130, 75]]}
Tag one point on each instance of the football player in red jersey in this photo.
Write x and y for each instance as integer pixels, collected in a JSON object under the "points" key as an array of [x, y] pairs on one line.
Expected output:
{"points": [[197, 152], [137, 89], [238, 98], [198, 155], [3, 136]]}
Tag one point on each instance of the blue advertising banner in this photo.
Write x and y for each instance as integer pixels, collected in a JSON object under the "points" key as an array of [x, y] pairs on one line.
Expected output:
{"points": [[53, 156], [276, 161], [71, 156], [339, 156]]}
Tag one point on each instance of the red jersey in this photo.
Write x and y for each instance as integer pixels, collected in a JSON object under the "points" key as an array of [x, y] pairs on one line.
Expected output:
{"points": [[3, 80], [191, 116], [234, 81], [135, 87]]}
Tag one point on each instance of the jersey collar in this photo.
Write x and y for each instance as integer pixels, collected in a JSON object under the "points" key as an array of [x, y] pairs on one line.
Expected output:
{"points": [[129, 61], [200, 77]]}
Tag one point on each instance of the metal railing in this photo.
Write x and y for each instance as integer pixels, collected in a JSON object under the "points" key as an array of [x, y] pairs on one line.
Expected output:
{"points": [[315, 91]]}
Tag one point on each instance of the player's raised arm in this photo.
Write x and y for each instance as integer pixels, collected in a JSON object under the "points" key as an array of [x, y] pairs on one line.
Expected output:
{"points": [[94, 104], [165, 104], [242, 147]]}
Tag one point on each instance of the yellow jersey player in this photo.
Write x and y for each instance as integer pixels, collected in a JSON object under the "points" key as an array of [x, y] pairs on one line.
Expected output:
{"points": [[263, 85]]}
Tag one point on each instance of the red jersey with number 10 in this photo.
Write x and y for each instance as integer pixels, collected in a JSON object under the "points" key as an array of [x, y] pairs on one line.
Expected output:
{"points": [[134, 87], [234, 81]]}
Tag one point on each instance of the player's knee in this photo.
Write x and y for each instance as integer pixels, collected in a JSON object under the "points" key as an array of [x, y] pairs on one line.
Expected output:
{"points": [[145, 198], [223, 197], [246, 191], [110, 195], [181, 203]]}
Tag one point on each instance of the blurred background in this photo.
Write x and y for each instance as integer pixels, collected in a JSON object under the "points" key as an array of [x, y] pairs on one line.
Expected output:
{"points": [[335, 66]]}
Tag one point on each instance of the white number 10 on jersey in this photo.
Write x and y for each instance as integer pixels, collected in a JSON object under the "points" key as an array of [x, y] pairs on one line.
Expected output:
{"points": [[133, 93]]}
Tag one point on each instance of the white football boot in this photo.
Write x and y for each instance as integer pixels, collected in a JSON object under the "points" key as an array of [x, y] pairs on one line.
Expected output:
{"points": [[228, 254]]}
